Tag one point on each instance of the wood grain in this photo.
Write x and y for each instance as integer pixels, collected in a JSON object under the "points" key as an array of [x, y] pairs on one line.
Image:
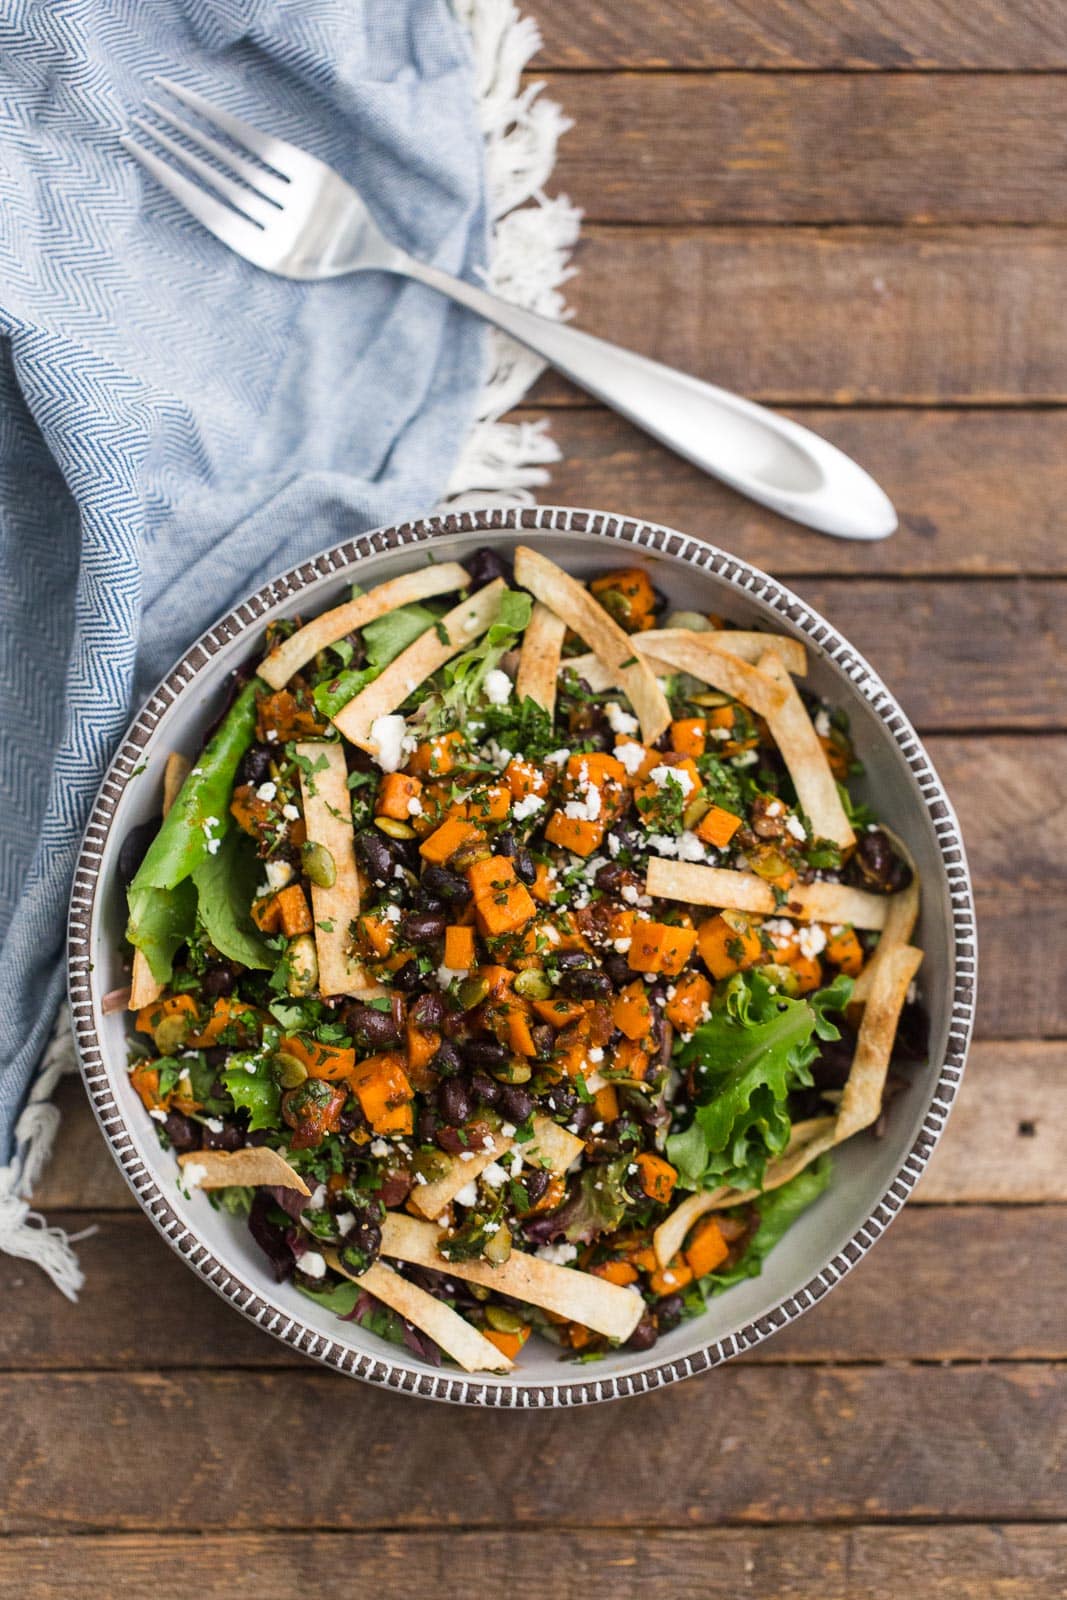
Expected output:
{"points": [[870, 147], [924, 316], [860, 1563], [960, 480], [985, 1295], [836, 34], [243, 1451]]}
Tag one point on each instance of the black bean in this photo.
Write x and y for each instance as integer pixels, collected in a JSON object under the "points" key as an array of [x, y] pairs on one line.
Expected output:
{"points": [[583, 1116], [486, 1089], [515, 1104], [408, 979], [572, 960], [484, 566], [230, 1136], [449, 886], [669, 1312], [544, 1038], [255, 765], [454, 1102], [426, 1125], [218, 980], [525, 866], [135, 848], [216, 1056], [610, 877], [561, 1100], [505, 844], [585, 985], [422, 927], [368, 1026], [183, 1132], [484, 1052], [447, 1060], [349, 1121], [362, 1243], [617, 968], [375, 854], [428, 902], [428, 1011], [876, 865], [535, 1181], [644, 1335]]}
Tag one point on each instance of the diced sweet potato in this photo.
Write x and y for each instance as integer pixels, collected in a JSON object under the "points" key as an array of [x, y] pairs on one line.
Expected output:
{"points": [[509, 1344], [685, 1007], [843, 950], [807, 971], [559, 1013], [266, 913], [489, 804], [707, 1249], [397, 791], [376, 935], [689, 736], [282, 716], [660, 947], [502, 902], [656, 1176], [628, 596], [717, 827], [575, 833], [294, 911], [672, 1278], [443, 843], [606, 1103], [436, 757], [145, 1080], [631, 1011], [384, 1092], [459, 948], [329, 1061], [523, 778], [728, 943], [542, 887], [620, 1272]]}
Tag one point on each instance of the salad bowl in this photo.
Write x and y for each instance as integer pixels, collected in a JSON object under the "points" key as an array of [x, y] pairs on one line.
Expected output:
{"points": [[872, 1178]]}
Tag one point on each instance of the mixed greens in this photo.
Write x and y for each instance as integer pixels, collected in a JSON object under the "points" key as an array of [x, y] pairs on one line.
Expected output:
{"points": [[508, 972]]}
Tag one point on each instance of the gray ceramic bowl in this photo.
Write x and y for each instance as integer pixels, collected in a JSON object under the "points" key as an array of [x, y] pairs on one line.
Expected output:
{"points": [[872, 1178]]}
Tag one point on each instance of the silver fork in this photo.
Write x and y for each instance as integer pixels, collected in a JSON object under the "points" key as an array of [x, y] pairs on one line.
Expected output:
{"points": [[289, 213]]}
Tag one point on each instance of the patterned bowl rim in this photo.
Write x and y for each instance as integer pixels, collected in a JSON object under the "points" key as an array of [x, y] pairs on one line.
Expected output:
{"points": [[396, 1373]]}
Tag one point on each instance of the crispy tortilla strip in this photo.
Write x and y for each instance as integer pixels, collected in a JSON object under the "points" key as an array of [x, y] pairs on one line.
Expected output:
{"points": [[455, 631], [296, 651], [579, 1296], [328, 819], [861, 1101], [467, 1347], [794, 733], [143, 986], [251, 1167], [745, 891], [551, 1146], [899, 926], [542, 644], [737, 642], [579, 609], [721, 668], [806, 1141]]}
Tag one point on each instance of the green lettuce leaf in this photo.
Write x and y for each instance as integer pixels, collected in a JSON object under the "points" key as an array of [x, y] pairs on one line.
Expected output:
{"points": [[162, 901], [778, 1212], [465, 675], [387, 637], [252, 1084], [225, 886], [338, 1297], [757, 1046]]}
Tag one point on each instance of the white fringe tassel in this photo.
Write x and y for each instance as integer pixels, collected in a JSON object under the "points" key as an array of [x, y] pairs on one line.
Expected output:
{"points": [[501, 463], [532, 236], [24, 1232]]}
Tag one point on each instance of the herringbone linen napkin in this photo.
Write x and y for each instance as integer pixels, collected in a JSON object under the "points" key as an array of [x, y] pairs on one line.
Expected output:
{"points": [[175, 426]]}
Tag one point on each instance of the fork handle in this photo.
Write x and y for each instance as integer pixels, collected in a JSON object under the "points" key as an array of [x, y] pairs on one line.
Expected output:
{"points": [[764, 456]]}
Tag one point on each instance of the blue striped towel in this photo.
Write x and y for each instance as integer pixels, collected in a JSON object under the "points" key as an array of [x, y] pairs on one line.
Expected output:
{"points": [[174, 424]]}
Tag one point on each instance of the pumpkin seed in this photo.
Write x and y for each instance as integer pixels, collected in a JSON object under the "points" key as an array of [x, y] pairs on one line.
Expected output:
{"points": [[471, 992], [431, 1165], [516, 1069], [291, 1071], [695, 810], [503, 1319], [394, 829], [711, 697], [303, 966], [692, 621], [318, 865], [170, 1033], [532, 984], [467, 854], [497, 1247]]}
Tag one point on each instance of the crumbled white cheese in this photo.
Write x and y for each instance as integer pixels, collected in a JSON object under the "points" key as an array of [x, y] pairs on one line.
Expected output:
{"points": [[446, 975], [414, 806], [560, 1254], [747, 758], [290, 812], [497, 687], [494, 1175], [812, 940], [663, 844], [622, 945], [596, 1053], [266, 791], [468, 1195], [628, 892], [822, 723], [318, 1198], [516, 1163], [380, 1147], [559, 758], [210, 827], [508, 1130], [619, 721], [663, 775], [774, 808], [387, 734], [587, 809], [614, 844], [194, 1173], [279, 873], [158, 1114], [391, 913], [631, 755], [780, 931], [346, 1222], [525, 808], [312, 1265], [795, 827], [690, 848], [216, 1124]]}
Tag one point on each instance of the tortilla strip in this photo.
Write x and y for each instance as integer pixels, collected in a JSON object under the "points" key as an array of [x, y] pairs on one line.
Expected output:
{"points": [[459, 627], [296, 651], [539, 658], [253, 1166], [899, 927], [579, 609], [861, 1101], [579, 1296], [328, 819], [745, 891], [742, 642], [808, 765], [467, 1347], [713, 664], [551, 1144], [144, 988], [806, 1141]]}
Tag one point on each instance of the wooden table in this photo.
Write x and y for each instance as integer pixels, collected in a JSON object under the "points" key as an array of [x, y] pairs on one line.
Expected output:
{"points": [[853, 210]]}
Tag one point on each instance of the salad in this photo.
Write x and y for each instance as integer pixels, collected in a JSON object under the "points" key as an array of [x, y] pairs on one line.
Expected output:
{"points": [[513, 956]]}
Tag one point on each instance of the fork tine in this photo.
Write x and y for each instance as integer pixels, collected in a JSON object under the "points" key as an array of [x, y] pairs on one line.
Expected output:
{"points": [[234, 230], [275, 152], [252, 205], [258, 177]]}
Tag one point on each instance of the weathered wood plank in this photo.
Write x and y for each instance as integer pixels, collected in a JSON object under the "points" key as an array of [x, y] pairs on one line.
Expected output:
{"points": [[861, 1563], [676, 148], [979, 493], [751, 1444], [948, 1283], [840, 34], [838, 315]]}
